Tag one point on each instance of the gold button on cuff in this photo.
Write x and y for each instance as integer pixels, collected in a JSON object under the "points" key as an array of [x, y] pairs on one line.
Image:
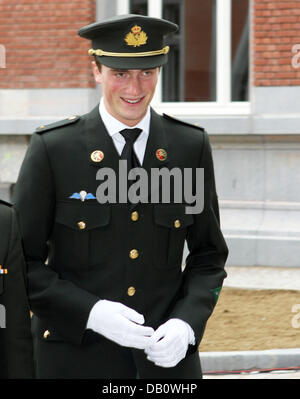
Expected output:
{"points": [[81, 225], [42, 127], [46, 334], [134, 216], [131, 291], [134, 253], [177, 224]]}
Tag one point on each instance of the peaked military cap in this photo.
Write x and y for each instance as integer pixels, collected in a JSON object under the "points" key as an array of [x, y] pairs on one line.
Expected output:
{"points": [[129, 41]]}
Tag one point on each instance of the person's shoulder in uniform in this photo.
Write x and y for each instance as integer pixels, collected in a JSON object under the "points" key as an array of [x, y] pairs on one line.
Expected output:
{"points": [[179, 123], [16, 359], [61, 127], [188, 134], [59, 135]]}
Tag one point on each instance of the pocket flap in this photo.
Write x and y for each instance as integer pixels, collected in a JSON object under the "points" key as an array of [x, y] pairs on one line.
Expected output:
{"points": [[172, 216], [82, 216]]}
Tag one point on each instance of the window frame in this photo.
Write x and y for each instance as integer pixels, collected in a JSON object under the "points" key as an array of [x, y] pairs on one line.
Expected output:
{"points": [[223, 105]]}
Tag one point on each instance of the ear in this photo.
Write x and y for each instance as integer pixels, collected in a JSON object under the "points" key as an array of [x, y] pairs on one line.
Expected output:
{"points": [[97, 74]]}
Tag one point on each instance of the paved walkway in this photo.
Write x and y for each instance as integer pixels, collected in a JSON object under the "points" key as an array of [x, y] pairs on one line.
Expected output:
{"points": [[287, 375], [263, 277]]}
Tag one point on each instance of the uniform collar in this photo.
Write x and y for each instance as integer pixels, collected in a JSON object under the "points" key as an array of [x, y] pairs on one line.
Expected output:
{"points": [[98, 139], [114, 126]]}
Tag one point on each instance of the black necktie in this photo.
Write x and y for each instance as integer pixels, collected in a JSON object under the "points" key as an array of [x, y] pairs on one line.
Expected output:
{"points": [[130, 135]]}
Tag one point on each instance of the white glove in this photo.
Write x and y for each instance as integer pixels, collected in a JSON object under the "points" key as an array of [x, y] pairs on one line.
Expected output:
{"points": [[120, 324], [172, 341]]}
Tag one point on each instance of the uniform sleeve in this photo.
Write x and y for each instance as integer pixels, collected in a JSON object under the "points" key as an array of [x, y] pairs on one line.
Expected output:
{"points": [[16, 341], [204, 271], [59, 302]]}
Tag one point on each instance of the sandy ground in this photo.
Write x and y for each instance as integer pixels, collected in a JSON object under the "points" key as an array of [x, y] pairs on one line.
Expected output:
{"points": [[248, 319]]}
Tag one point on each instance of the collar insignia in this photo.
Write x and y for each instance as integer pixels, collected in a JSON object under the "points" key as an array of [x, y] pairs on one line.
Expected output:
{"points": [[97, 156], [161, 154]]}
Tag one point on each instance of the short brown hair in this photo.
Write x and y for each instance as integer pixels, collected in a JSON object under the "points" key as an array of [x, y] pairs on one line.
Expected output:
{"points": [[99, 65]]}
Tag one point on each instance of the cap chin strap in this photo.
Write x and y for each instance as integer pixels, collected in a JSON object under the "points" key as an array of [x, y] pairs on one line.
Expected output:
{"points": [[101, 53]]}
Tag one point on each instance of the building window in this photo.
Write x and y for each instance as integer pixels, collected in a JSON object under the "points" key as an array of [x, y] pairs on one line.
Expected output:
{"points": [[139, 7], [239, 50], [209, 62]]}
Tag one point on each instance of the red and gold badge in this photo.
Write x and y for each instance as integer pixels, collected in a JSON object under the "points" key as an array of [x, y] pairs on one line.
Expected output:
{"points": [[161, 154]]}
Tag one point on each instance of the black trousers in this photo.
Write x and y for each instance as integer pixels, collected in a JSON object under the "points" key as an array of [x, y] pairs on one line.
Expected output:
{"points": [[103, 359]]}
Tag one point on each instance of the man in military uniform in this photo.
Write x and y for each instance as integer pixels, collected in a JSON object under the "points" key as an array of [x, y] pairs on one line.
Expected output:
{"points": [[112, 300], [16, 358]]}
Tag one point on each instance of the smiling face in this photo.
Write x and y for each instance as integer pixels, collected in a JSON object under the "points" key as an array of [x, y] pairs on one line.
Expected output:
{"points": [[126, 93]]}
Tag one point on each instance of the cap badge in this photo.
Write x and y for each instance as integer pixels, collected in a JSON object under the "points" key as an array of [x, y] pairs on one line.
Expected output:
{"points": [[161, 154], [136, 37]]}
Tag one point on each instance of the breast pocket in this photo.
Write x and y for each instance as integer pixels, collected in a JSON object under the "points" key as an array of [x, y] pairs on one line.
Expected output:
{"points": [[170, 229], [81, 236]]}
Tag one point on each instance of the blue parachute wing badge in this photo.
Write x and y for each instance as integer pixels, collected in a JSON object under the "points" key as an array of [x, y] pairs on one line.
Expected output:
{"points": [[82, 195], [75, 196], [90, 196]]}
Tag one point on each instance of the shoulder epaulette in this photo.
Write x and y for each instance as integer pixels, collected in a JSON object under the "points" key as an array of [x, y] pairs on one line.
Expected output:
{"points": [[183, 122], [64, 122], [5, 203]]}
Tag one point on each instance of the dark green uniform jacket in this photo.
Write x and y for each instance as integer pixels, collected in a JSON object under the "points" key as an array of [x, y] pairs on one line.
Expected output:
{"points": [[87, 247], [16, 358]]}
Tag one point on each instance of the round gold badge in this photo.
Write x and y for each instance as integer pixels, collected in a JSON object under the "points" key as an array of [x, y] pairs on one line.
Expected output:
{"points": [[97, 156], [161, 154]]}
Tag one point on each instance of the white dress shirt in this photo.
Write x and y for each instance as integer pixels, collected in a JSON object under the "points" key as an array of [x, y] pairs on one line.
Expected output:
{"points": [[114, 126]]}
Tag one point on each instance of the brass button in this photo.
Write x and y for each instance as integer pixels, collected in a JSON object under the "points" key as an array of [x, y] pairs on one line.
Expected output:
{"points": [[81, 225], [177, 224], [46, 334], [42, 127], [134, 253], [134, 216], [131, 291]]}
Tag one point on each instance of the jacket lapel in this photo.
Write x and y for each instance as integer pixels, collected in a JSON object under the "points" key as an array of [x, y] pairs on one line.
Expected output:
{"points": [[157, 151], [101, 151], [157, 140]]}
